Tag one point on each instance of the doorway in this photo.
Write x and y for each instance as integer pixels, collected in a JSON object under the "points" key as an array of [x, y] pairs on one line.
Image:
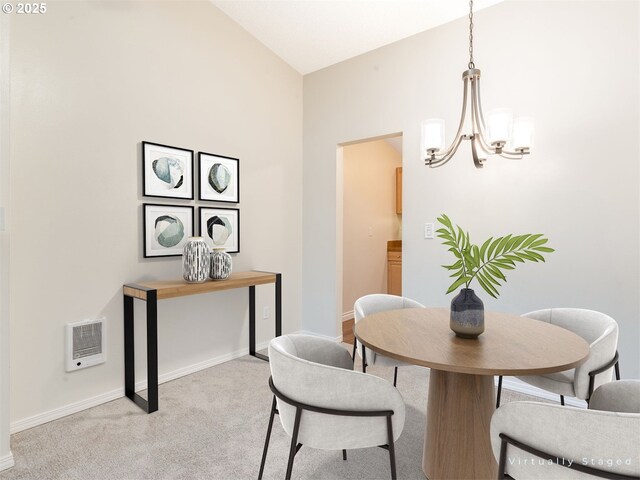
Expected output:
{"points": [[371, 221]]}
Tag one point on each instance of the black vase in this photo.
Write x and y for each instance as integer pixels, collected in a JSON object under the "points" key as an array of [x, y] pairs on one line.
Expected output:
{"points": [[467, 314]]}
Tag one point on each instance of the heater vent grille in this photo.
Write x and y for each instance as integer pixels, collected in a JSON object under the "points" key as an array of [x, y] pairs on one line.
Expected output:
{"points": [[85, 344], [87, 340]]}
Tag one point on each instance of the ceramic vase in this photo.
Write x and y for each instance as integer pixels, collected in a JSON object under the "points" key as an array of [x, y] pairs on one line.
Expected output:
{"points": [[195, 260], [221, 264], [467, 314]]}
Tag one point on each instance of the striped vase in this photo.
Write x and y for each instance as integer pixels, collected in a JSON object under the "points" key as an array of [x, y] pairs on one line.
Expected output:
{"points": [[195, 260], [220, 264]]}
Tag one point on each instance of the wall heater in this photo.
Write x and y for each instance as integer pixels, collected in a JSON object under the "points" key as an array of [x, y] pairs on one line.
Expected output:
{"points": [[86, 342]]}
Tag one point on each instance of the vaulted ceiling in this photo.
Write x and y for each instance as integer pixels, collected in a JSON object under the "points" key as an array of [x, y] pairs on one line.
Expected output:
{"points": [[312, 34]]}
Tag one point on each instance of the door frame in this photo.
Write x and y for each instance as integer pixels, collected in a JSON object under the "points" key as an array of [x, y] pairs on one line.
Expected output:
{"points": [[340, 216]]}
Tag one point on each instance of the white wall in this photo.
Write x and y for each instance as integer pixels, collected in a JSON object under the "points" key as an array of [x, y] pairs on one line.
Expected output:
{"points": [[6, 458], [571, 65], [370, 219], [90, 81]]}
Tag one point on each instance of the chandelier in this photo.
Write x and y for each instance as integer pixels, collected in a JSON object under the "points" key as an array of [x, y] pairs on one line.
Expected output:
{"points": [[499, 136]]}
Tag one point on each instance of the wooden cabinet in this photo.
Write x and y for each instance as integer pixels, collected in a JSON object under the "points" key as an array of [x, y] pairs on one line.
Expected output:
{"points": [[399, 190], [394, 273]]}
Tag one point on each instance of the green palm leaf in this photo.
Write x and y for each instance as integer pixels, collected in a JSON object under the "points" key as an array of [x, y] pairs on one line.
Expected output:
{"points": [[489, 262], [493, 246], [484, 247], [487, 288], [457, 283]]}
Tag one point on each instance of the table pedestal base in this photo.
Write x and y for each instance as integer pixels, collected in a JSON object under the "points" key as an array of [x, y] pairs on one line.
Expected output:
{"points": [[457, 443]]}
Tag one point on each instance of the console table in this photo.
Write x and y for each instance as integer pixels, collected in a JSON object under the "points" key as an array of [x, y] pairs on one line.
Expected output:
{"points": [[151, 292]]}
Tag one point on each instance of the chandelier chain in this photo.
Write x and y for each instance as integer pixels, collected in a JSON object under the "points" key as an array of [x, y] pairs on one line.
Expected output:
{"points": [[471, 64]]}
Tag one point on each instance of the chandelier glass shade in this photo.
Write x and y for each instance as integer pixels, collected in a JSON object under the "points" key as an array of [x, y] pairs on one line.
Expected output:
{"points": [[499, 135]]}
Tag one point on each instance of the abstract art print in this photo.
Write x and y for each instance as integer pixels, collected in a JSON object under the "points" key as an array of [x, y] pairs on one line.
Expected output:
{"points": [[220, 228], [166, 229], [167, 171], [219, 178]]}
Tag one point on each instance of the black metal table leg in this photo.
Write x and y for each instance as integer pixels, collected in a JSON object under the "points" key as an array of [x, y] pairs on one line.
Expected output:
{"points": [[252, 320], [252, 317], [129, 351], [152, 351], [252, 325], [150, 405], [278, 304]]}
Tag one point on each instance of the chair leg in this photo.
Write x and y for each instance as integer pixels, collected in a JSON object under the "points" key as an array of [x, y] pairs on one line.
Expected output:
{"points": [[392, 452], [499, 391], [344, 455], [353, 354], [503, 459], [562, 400], [605, 368], [395, 376], [364, 359], [294, 442], [266, 440]]}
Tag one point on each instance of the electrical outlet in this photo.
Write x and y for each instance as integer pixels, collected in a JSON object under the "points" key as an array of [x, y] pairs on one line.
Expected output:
{"points": [[265, 313], [428, 230]]}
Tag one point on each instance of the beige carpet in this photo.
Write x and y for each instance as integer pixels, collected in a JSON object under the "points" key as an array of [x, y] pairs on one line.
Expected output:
{"points": [[210, 425]]}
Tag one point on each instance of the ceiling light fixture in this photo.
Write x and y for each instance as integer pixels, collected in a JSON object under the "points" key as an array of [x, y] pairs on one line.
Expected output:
{"points": [[502, 136]]}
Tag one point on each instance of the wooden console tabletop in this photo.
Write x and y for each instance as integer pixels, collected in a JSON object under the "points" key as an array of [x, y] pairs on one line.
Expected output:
{"points": [[152, 291], [180, 288]]}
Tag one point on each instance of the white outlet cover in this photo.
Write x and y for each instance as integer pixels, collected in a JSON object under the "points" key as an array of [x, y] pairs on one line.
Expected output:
{"points": [[428, 230]]}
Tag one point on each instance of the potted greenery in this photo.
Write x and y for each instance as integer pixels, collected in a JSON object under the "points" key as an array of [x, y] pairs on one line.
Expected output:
{"points": [[487, 263]]}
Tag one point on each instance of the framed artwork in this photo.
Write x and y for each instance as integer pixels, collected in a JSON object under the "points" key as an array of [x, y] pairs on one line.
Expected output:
{"points": [[167, 171], [166, 229], [219, 178], [220, 228]]}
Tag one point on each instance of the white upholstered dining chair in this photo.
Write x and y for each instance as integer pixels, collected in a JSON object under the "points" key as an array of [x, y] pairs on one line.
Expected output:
{"points": [[532, 440], [323, 403], [601, 333], [374, 303]]}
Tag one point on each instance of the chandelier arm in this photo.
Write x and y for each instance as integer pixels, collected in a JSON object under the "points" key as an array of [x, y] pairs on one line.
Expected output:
{"points": [[477, 134], [436, 164], [512, 155], [478, 162], [478, 121], [476, 114], [458, 138], [439, 160], [480, 112]]}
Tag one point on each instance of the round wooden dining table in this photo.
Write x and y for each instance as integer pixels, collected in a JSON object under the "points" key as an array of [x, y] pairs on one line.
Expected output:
{"points": [[461, 396]]}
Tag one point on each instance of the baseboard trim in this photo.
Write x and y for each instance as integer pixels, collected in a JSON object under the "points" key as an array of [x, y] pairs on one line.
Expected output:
{"points": [[7, 462], [55, 414], [346, 316], [511, 383]]}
